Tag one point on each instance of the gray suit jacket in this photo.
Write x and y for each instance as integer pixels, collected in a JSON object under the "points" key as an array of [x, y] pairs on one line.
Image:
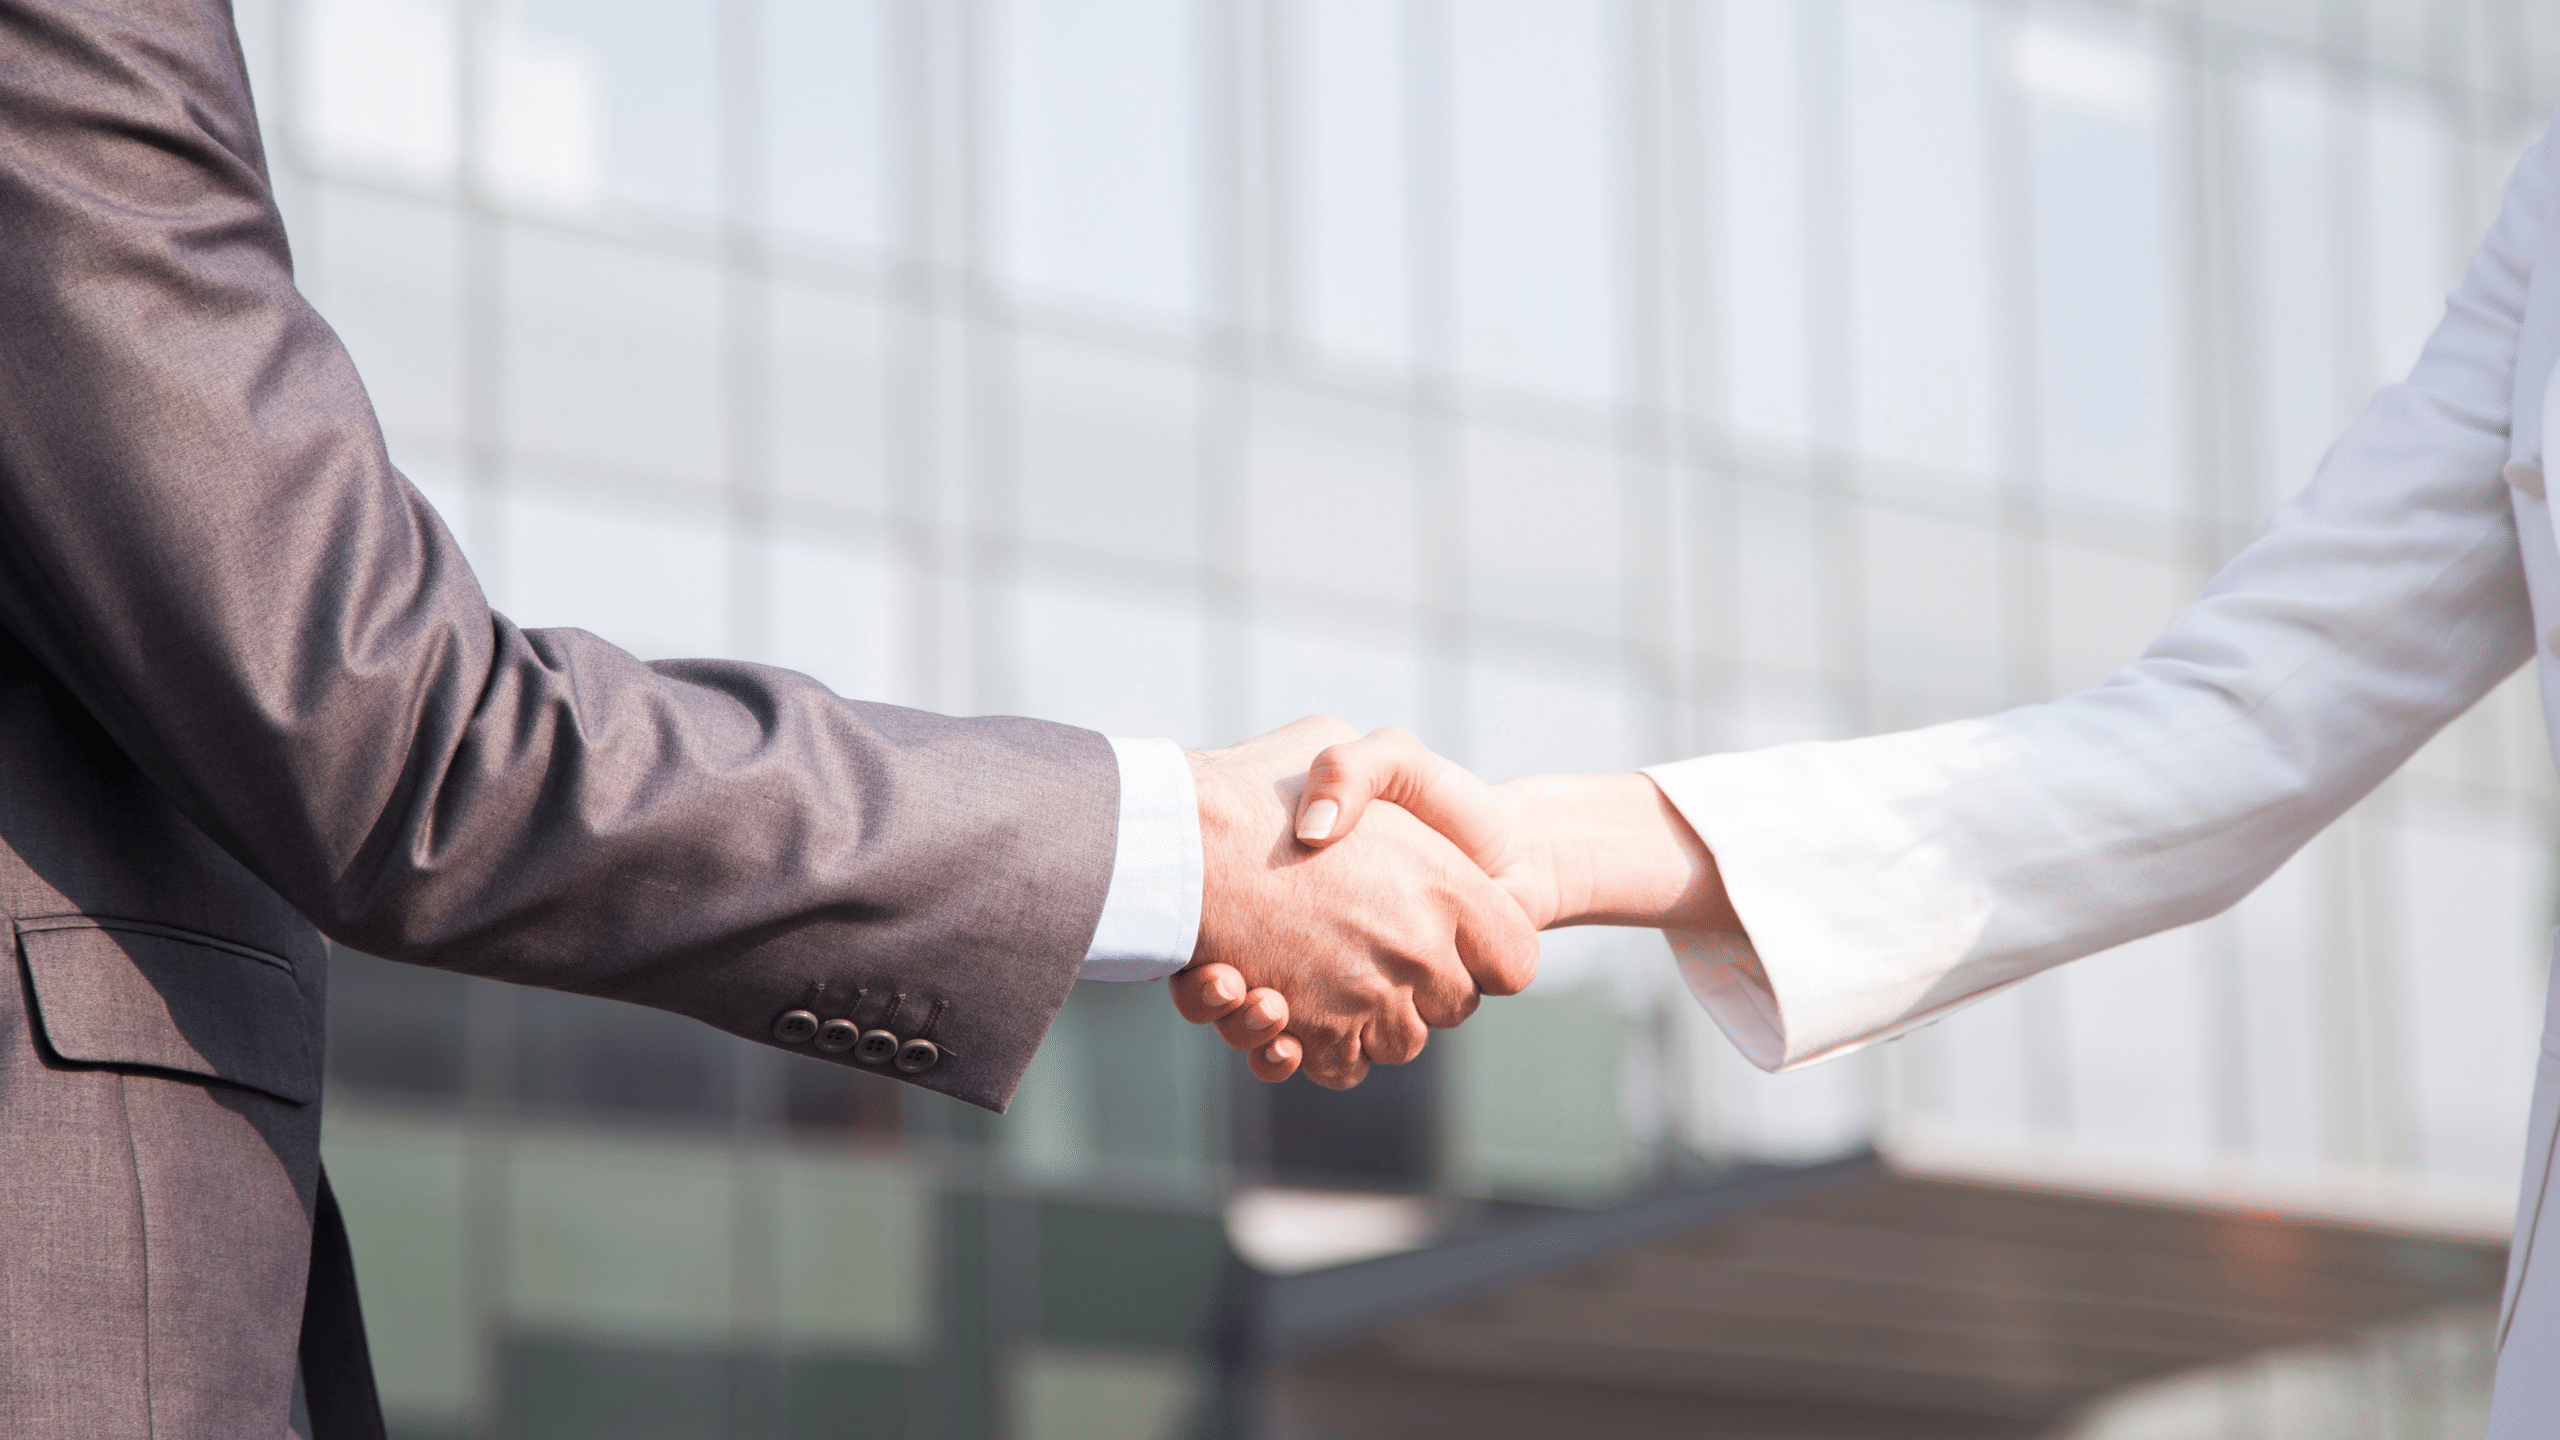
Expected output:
{"points": [[250, 694]]}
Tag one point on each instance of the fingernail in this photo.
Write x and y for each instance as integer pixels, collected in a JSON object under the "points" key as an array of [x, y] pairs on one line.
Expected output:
{"points": [[1260, 1019], [1222, 991], [1317, 823], [1271, 1052]]}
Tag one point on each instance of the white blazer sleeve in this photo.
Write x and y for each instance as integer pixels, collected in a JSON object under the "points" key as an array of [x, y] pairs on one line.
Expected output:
{"points": [[1886, 881]]}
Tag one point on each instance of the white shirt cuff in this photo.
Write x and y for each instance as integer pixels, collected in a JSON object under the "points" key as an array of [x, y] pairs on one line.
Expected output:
{"points": [[1151, 915]]}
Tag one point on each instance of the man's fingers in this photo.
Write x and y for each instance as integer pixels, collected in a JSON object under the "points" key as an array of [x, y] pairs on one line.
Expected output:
{"points": [[1276, 1061], [1447, 1007], [1256, 1022], [1336, 1067], [1330, 1054], [1495, 940], [1209, 992], [1253, 1021], [1395, 1036]]}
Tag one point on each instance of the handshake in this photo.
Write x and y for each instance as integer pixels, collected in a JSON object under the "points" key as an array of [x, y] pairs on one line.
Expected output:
{"points": [[1359, 892]]}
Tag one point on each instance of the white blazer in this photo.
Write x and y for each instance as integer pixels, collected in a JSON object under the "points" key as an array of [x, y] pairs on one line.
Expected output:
{"points": [[1889, 880]]}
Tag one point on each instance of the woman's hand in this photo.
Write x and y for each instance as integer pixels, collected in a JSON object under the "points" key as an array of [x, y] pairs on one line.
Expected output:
{"points": [[1569, 849], [1490, 823]]}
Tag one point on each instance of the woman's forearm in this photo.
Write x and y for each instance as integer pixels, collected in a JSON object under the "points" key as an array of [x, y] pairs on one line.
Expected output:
{"points": [[1619, 853]]}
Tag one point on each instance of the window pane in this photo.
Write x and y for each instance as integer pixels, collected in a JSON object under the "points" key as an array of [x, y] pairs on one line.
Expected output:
{"points": [[648, 574], [581, 1207], [1531, 714], [1329, 496], [1543, 534], [1784, 606], [2108, 379], [2293, 279], [1932, 591], [612, 357], [2475, 896], [831, 96], [2416, 255], [1556, 1134], [578, 1055], [1533, 128], [404, 1181], [1368, 674], [1106, 452], [1379, 1136], [2103, 608], [2285, 940], [853, 1244], [1121, 660], [1349, 183], [604, 102], [1120, 1088], [1764, 359], [379, 84], [2136, 1036], [386, 272], [1979, 1089], [1921, 241], [832, 1102], [827, 396], [395, 1029], [837, 610], [1097, 124]]}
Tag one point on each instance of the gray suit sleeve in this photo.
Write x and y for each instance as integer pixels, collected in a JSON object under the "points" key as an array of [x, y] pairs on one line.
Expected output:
{"points": [[202, 538]]}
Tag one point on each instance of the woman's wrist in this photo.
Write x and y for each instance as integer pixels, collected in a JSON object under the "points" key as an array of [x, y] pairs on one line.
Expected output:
{"points": [[1618, 852]]}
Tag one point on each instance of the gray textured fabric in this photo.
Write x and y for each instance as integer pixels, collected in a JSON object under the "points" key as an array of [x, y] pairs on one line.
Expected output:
{"points": [[153, 1244], [249, 687], [206, 552]]}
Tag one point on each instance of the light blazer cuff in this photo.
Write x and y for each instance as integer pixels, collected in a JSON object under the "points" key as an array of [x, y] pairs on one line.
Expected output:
{"points": [[1810, 978]]}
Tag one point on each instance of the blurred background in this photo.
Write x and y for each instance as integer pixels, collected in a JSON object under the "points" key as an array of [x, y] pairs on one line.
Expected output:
{"points": [[1581, 383]]}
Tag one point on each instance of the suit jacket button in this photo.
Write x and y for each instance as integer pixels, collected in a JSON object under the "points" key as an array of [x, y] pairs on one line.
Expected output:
{"points": [[2525, 476], [917, 1056], [837, 1036], [876, 1047], [795, 1027]]}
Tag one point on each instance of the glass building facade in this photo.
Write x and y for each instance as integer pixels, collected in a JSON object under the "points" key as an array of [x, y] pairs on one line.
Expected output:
{"points": [[1581, 383]]}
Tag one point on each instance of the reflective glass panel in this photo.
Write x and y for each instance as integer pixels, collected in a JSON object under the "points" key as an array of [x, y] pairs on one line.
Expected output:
{"points": [[1097, 128], [1534, 220]]}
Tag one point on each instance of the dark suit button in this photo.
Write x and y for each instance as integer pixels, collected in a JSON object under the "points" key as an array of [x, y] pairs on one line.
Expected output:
{"points": [[917, 1056], [837, 1036], [876, 1048], [795, 1027]]}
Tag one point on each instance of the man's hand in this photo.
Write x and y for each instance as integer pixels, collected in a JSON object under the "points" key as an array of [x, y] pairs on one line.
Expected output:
{"points": [[1372, 939]]}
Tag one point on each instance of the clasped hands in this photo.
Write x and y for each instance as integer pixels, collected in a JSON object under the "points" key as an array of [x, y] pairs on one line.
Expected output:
{"points": [[1361, 892]]}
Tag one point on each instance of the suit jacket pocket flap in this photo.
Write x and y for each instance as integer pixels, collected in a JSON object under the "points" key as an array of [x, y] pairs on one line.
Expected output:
{"points": [[118, 992]]}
